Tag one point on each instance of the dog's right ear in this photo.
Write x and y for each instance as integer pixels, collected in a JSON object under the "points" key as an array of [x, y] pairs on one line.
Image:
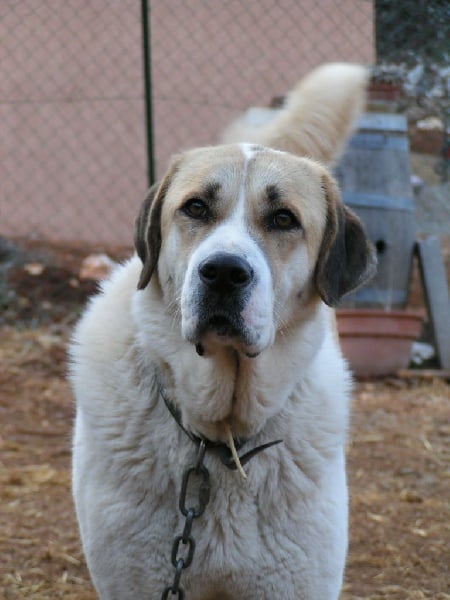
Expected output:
{"points": [[147, 227]]}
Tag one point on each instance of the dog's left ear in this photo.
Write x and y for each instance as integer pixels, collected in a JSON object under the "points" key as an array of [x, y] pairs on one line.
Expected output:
{"points": [[147, 227], [347, 258]]}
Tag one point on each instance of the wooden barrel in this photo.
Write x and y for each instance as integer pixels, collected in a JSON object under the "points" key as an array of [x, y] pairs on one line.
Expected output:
{"points": [[375, 180]]}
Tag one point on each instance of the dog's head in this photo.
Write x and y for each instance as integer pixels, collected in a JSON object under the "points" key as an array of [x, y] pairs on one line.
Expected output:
{"points": [[239, 238]]}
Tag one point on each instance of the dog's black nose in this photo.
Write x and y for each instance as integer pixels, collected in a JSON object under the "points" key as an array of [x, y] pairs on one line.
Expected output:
{"points": [[226, 272]]}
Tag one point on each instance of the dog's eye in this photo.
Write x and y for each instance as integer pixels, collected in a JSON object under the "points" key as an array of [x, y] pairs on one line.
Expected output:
{"points": [[283, 219], [196, 209]]}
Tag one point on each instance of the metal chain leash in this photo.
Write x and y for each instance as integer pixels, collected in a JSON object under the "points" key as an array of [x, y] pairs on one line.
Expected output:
{"points": [[179, 560]]}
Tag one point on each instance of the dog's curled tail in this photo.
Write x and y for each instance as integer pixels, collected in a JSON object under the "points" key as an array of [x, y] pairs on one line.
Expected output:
{"points": [[318, 115]]}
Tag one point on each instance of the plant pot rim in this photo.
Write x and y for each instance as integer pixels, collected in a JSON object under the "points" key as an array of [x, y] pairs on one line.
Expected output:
{"points": [[379, 324], [397, 314]]}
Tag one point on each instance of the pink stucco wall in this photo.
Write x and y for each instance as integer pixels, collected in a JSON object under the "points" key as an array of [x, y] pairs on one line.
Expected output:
{"points": [[72, 152]]}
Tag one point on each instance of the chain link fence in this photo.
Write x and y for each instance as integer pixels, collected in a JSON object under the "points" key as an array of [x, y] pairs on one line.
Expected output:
{"points": [[212, 60], [71, 100], [72, 94]]}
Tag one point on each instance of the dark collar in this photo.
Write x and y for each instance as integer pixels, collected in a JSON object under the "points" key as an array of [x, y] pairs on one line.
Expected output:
{"points": [[219, 448]]}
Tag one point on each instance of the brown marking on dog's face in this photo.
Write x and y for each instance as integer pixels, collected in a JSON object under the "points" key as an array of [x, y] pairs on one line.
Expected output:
{"points": [[278, 215]]}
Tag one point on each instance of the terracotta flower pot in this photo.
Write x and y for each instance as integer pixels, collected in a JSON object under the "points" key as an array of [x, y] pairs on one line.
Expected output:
{"points": [[377, 342]]}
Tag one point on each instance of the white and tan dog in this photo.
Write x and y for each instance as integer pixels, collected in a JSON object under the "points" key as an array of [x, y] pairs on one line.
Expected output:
{"points": [[223, 317]]}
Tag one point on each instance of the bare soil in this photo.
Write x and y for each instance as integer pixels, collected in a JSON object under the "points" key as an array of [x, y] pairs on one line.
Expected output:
{"points": [[398, 458]]}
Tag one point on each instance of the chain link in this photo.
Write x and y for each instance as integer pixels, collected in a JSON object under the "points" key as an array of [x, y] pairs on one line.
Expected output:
{"points": [[179, 560]]}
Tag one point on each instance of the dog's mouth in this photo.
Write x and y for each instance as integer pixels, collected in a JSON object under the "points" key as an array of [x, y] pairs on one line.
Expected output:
{"points": [[222, 326], [226, 331]]}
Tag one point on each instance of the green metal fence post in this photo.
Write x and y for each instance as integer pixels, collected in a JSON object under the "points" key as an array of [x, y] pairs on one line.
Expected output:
{"points": [[146, 49]]}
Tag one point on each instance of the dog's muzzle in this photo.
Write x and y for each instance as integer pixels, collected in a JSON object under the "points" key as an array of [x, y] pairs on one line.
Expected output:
{"points": [[226, 301], [226, 280]]}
